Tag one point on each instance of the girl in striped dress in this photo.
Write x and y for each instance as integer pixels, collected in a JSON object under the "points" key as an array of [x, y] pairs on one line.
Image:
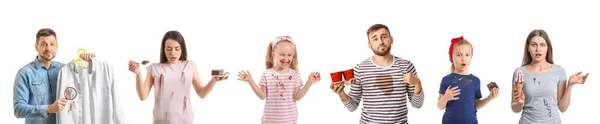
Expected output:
{"points": [[280, 84]]}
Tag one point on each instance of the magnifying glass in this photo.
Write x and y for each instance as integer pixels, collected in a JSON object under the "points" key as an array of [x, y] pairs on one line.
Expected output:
{"points": [[70, 93]]}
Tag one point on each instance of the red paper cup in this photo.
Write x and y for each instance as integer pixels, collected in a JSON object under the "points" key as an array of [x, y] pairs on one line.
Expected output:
{"points": [[348, 74], [336, 77]]}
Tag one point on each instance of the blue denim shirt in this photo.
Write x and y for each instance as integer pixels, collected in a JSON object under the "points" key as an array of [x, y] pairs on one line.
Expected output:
{"points": [[34, 90]]}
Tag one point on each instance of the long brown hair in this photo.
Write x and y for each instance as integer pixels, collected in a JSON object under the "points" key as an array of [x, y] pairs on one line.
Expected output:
{"points": [[269, 59], [173, 35], [527, 59], [461, 42]]}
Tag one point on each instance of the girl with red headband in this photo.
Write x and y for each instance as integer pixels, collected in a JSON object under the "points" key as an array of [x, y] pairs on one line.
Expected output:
{"points": [[280, 83], [460, 91]]}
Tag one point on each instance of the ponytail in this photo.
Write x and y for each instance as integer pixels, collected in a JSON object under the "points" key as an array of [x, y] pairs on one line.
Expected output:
{"points": [[294, 63], [269, 57], [452, 67]]}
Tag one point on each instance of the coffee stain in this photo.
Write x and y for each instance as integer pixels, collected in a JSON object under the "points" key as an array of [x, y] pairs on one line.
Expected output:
{"points": [[462, 81], [183, 77], [70, 109], [184, 103], [548, 108], [385, 83], [68, 92]]}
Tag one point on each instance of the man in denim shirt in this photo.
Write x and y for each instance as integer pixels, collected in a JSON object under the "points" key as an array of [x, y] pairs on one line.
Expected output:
{"points": [[34, 91]]}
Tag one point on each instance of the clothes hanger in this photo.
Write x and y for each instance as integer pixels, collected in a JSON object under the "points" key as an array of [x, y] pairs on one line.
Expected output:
{"points": [[79, 59]]}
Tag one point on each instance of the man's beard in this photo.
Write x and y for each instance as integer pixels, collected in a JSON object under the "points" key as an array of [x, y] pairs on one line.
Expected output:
{"points": [[47, 59], [385, 52]]}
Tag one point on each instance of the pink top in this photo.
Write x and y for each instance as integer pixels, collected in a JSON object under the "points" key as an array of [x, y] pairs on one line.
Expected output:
{"points": [[172, 84], [280, 106]]}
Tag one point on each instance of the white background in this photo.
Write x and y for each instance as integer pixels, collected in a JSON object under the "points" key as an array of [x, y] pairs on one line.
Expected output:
{"points": [[330, 36]]}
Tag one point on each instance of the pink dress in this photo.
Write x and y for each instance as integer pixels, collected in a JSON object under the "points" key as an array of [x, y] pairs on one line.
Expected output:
{"points": [[172, 84], [280, 106]]}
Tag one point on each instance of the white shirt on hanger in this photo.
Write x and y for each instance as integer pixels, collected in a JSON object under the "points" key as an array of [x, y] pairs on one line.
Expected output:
{"points": [[97, 98]]}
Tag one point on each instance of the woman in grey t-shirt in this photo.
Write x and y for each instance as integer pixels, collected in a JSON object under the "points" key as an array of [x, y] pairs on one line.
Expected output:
{"points": [[544, 85]]}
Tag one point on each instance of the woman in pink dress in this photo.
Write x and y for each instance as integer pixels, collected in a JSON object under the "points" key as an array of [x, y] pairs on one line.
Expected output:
{"points": [[172, 77]]}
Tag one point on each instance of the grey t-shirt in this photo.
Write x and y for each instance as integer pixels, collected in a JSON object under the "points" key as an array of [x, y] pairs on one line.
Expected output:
{"points": [[541, 102]]}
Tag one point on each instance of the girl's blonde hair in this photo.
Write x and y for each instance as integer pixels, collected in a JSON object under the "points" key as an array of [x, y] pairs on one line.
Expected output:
{"points": [[269, 59], [452, 46]]}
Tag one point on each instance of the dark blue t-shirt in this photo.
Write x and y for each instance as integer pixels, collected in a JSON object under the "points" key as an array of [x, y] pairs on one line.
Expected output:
{"points": [[461, 111]]}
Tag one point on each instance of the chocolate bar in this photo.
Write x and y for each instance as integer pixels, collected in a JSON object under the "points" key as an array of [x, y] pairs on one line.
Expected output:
{"points": [[492, 85], [217, 72], [145, 62]]}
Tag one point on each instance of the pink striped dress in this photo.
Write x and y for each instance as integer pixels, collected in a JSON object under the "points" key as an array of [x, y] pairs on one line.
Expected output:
{"points": [[172, 83], [280, 106]]}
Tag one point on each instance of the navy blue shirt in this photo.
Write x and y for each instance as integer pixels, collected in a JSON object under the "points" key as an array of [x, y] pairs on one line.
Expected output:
{"points": [[461, 111]]}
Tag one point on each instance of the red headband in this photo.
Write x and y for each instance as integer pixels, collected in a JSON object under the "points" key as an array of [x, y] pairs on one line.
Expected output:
{"points": [[454, 41]]}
